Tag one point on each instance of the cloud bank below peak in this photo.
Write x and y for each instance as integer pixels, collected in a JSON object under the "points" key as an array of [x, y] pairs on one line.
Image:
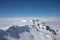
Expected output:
{"points": [[6, 22]]}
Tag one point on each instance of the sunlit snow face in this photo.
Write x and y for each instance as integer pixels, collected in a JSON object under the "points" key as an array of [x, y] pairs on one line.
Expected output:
{"points": [[26, 20], [30, 20], [23, 20]]}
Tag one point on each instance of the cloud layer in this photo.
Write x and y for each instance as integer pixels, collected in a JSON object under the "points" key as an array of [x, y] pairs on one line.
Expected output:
{"points": [[6, 22]]}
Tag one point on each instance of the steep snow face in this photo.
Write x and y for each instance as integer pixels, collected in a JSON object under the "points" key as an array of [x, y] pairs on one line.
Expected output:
{"points": [[15, 30], [40, 35]]}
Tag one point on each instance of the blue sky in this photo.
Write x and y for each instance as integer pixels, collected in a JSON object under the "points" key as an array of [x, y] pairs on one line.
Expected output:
{"points": [[29, 8]]}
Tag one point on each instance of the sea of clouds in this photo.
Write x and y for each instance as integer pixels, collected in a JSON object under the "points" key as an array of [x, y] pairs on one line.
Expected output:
{"points": [[7, 22]]}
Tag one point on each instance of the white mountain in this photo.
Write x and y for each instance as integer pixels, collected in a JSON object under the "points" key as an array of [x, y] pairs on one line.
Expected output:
{"points": [[34, 31]]}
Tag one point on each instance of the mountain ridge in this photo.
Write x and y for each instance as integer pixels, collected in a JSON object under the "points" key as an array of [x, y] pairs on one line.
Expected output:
{"points": [[33, 32]]}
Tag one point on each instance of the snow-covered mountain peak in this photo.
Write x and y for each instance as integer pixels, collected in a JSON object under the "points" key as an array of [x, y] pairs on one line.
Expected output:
{"points": [[32, 29], [28, 33]]}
